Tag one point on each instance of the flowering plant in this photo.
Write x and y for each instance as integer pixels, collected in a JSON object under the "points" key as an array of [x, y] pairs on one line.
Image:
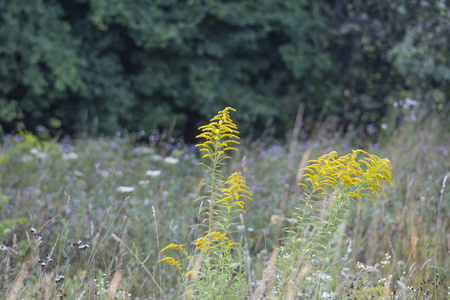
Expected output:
{"points": [[211, 270]]}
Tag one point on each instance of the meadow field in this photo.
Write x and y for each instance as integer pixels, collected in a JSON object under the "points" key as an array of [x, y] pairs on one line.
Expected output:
{"points": [[88, 219]]}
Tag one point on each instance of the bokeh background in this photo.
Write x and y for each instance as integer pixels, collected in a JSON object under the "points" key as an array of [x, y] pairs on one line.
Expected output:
{"points": [[93, 67]]}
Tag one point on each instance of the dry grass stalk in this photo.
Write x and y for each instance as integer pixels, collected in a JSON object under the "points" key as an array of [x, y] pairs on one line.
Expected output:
{"points": [[114, 284], [122, 249], [18, 282], [16, 287], [387, 289], [115, 237], [293, 287], [394, 256], [296, 133], [303, 163], [46, 285], [267, 277], [193, 276]]}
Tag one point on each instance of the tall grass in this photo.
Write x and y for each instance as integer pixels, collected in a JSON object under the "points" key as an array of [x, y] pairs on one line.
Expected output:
{"points": [[87, 220]]}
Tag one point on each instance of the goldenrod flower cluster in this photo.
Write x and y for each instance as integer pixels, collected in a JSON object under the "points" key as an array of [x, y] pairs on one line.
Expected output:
{"points": [[213, 240], [236, 193], [170, 260], [355, 176], [173, 246], [219, 134]]}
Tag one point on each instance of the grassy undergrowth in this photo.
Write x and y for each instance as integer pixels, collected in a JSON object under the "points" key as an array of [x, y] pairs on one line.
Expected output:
{"points": [[90, 219]]}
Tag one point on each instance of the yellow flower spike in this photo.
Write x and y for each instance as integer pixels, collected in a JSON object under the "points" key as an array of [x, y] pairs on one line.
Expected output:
{"points": [[230, 148], [240, 204], [355, 195], [170, 260], [207, 242], [348, 171], [173, 246], [219, 133], [235, 190]]}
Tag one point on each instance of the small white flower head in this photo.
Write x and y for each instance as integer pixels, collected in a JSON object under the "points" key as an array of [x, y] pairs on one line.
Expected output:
{"points": [[79, 174], [384, 126], [371, 128], [35, 151], [39, 154], [125, 189], [144, 182], [410, 103], [153, 173], [170, 160], [83, 247], [70, 156], [103, 173], [59, 279], [156, 157]]}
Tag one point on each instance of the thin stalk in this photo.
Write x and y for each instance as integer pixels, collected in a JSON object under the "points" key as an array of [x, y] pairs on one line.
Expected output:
{"points": [[332, 228], [297, 233], [215, 167]]}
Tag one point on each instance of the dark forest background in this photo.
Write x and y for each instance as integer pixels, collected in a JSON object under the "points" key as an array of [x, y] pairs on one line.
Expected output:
{"points": [[92, 67]]}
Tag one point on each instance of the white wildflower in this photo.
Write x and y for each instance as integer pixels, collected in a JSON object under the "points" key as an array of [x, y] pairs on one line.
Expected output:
{"points": [[410, 103], [78, 174], [125, 189], [326, 295], [34, 151], [38, 153], [103, 173], [70, 156], [153, 173], [144, 182], [170, 160], [156, 157]]}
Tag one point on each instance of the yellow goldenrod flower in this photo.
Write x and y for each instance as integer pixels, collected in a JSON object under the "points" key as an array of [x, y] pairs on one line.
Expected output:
{"points": [[173, 246], [170, 260], [213, 240], [236, 191], [219, 134], [355, 177]]}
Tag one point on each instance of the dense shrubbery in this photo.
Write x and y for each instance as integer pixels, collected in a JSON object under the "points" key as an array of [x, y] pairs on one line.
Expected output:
{"points": [[96, 66]]}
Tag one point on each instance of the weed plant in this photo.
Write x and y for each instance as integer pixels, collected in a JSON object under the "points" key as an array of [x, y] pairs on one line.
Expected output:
{"points": [[103, 219]]}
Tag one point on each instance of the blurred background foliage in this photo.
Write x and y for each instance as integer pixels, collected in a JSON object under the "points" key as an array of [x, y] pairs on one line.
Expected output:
{"points": [[91, 67]]}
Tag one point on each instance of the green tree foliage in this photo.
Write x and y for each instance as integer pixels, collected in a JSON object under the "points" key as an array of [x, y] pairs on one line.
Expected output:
{"points": [[102, 65], [389, 49], [197, 56], [38, 60]]}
